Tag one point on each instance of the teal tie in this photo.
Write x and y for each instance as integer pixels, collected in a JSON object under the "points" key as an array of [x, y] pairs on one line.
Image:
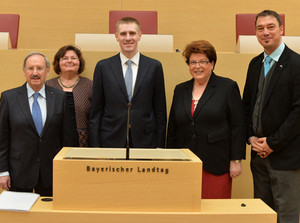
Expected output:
{"points": [[267, 64], [128, 79], [37, 114]]}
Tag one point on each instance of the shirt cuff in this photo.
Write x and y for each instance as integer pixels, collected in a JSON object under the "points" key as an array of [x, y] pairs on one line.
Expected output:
{"points": [[3, 174]]}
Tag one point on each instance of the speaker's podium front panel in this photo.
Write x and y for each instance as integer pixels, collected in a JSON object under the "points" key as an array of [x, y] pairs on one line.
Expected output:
{"points": [[98, 179]]}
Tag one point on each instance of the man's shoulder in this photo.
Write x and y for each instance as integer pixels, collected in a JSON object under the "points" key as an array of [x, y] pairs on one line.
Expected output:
{"points": [[109, 59], [257, 58], [291, 52], [55, 91], [14, 91], [149, 60]]}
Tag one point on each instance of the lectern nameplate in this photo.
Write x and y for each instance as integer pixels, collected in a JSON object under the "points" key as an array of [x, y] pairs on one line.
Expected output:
{"points": [[154, 183]]}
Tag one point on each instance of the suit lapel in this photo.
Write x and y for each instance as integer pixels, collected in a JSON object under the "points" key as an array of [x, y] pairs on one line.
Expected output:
{"points": [[254, 74], [141, 74], [278, 70], [50, 102], [187, 98], [24, 105], [208, 92], [117, 72]]}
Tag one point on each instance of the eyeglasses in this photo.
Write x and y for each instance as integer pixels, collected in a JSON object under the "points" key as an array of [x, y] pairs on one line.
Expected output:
{"points": [[68, 58], [200, 63]]}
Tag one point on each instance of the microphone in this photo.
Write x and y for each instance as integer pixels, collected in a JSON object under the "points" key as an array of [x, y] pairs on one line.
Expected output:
{"points": [[129, 105]]}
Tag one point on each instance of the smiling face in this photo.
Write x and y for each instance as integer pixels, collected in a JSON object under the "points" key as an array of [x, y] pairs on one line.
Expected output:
{"points": [[36, 72], [128, 37], [200, 67], [268, 33], [69, 62]]}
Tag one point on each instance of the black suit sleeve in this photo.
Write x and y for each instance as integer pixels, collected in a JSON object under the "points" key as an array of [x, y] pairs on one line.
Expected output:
{"points": [[248, 92], [172, 128], [96, 108], [289, 109], [159, 101], [237, 124], [4, 133]]}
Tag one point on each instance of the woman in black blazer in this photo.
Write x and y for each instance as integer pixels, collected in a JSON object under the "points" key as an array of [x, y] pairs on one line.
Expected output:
{"points": [[207, 117]]}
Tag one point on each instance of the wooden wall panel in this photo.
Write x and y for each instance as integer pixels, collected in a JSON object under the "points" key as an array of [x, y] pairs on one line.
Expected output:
{"points": [[51, 24]]}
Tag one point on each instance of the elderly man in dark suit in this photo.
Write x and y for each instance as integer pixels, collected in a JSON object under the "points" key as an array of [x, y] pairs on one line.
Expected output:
{"points": [[35, 125], [128, 80], [272, 102]]}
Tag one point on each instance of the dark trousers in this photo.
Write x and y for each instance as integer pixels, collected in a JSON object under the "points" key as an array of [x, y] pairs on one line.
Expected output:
{"points": [[280, 189], [39, 189]]}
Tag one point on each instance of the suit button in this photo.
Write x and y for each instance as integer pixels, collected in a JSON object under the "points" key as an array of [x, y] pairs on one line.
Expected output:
{"points": [[38, 160], [192, 123], [40, 140], [194, 136]]}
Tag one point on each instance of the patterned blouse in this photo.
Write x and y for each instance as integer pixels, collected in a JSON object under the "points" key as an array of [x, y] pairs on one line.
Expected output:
{"points": [[82, 93]]}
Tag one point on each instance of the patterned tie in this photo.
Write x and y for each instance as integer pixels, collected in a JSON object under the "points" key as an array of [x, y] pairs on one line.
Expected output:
{"points": [[37, 114], [128, 79], [267, 64]]}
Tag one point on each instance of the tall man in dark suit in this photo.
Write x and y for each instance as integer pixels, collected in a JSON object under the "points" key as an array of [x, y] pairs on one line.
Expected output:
{"points": [[34, 126], [128, 79], [272, 102]]}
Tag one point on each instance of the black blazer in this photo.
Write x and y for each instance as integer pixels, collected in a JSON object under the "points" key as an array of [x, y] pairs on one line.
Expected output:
{"points": [[280, 110], [24, 153], [108, 116], [216, 132]]}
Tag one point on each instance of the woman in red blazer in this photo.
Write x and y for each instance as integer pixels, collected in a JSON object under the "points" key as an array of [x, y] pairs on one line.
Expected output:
{"points": [[207, 117]]}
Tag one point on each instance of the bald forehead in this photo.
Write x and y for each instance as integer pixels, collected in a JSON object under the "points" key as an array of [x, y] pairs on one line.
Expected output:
{"points": [[38, 59]]}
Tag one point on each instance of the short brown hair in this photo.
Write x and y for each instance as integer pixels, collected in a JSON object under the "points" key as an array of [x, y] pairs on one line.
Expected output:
{"points": [[269, 13], [128, 20], [200, 46], [61, 53]]}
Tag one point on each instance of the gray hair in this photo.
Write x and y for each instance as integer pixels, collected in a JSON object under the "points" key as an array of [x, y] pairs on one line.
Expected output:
{"points": [[37, 53]]}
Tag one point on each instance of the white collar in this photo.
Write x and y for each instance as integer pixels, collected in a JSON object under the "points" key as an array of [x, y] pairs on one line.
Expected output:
{"points": [[30, 91]]}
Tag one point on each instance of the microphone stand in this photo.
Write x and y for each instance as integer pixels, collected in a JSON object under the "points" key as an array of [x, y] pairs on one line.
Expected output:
{"points": [[128, 129]]}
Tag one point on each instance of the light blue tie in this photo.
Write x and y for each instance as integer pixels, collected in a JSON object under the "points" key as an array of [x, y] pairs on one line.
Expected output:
{"points": [[267, 64], [37, 114], [128, 79]]}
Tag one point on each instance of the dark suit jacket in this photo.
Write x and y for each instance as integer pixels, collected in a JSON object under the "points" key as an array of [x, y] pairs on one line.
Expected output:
{"points": [[109, 109], [280, 115], [216, 132], [24, 153]]}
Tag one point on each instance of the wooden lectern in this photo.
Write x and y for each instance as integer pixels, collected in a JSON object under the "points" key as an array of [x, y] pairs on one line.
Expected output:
{"points": [[99, 179], [156, 185]]}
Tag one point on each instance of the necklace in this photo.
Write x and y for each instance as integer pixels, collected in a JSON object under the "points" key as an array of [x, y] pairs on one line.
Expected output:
{"points": [[196, 100], [60, 81]]}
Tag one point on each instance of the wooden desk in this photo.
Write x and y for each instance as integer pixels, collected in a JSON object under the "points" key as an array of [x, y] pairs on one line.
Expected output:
{"points": [[213, 211]]}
